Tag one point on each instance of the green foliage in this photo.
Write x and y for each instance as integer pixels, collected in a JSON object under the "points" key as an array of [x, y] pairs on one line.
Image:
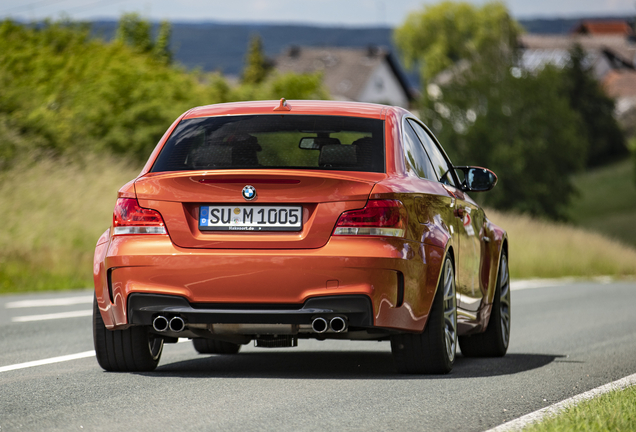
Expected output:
{"points": [[54, 209], [289, 86], [613, 411], [75, 94], [534, 130], [443, 34], [256, 66], [64, 93], [161, 49], [135, 32], [600, 128], [521, 127], [606, 202]]}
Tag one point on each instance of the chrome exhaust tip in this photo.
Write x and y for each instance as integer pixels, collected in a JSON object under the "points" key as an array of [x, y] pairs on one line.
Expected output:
{"points": [[319, 325], [338, 324], [177, 324], [160, 323]]}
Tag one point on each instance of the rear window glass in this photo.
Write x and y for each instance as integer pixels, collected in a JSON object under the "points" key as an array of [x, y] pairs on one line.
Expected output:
{"points": [[275, 141]]}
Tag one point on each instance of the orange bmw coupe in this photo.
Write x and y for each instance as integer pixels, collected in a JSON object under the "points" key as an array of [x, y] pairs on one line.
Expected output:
{"points": [[277, 221]]}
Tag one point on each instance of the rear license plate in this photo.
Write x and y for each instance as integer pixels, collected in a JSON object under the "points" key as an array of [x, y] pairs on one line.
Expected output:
{"points": [[250, 218]]}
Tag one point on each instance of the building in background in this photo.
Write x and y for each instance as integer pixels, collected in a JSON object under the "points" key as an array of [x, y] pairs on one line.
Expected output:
{"points": [[356, 74], [611, 52]]}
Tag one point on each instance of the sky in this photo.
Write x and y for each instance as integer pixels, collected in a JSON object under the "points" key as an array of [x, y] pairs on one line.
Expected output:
{"points": [[322, 12]]}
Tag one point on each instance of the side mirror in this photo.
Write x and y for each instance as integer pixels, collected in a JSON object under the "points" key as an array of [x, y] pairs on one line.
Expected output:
{"points": [[477, 179], [308, 143]]}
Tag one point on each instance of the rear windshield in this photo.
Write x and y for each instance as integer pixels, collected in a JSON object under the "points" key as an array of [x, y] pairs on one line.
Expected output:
{"points": [[275, 141]]}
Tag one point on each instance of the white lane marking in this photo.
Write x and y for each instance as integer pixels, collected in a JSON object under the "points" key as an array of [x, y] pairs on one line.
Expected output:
{"points": [[60, 359], [533, 417], [50, 302], [516, 285], [539, 283], [60, 315]]}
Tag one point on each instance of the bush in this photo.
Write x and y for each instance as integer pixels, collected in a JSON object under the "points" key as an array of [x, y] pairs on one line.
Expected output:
{"points": [[64, 93]]}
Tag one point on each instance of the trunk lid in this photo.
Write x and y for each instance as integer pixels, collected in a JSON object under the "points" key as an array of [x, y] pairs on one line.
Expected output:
{"points": [[322, 195]]}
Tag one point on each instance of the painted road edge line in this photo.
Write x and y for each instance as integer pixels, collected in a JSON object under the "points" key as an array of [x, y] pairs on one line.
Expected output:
{"points": [[59, 359], [67, 301], [60, 315], [523, 284], [534, 417], [51, 360]]}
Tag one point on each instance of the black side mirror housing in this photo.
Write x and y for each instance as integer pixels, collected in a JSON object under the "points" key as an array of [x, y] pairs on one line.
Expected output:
{"points": [[477, 179]]}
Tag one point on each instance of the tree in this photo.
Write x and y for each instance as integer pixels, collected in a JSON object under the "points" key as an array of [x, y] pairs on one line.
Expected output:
{"points": [[256, 65], [487, 111], [600, 128], [523, 128], [441, 35], [161, 49], [135, 32]]}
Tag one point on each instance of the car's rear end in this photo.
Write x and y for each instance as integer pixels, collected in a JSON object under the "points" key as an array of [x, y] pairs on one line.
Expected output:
{"points": [[258, 222]]}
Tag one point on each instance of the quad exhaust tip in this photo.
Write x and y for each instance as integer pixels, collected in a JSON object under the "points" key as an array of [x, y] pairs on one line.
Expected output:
{"points": [[319, 325], [177, 324], [338, 324], [160, 324]]}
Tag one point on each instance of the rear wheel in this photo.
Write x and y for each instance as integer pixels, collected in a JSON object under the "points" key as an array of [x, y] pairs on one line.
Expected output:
{"points": [[134, 349], [433, 350], [494, 341], [211, 346]]}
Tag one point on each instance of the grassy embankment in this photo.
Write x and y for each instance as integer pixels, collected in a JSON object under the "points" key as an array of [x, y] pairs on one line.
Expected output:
{"points": [[614, 411], [607, 203], [52, 216], [53, 213]]}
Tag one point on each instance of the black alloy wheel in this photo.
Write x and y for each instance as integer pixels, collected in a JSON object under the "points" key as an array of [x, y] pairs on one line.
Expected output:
{"points": [[494, 341], [433, 350], [134, 349]]}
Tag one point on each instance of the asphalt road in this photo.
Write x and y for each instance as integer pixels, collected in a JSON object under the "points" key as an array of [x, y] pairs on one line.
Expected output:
{"points": [[565, 340]]}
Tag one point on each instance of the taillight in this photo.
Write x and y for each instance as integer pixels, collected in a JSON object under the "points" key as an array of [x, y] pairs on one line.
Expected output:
{"points": [[385, 218], [130, 218]]}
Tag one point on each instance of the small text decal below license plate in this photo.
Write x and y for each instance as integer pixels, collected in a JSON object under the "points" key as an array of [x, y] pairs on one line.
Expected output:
{"points": [[250, 218]]}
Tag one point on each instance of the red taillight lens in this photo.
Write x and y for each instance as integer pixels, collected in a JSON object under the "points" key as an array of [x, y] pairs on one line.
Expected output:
{"points": [[130, 218], [385, 218]]}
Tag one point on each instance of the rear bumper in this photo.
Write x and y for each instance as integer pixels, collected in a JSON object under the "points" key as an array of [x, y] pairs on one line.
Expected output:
{"points": [[397, 278], [143, 308]]}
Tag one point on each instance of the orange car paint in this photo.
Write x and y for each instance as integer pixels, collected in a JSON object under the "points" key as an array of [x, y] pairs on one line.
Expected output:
{"points": [[290, 267]]}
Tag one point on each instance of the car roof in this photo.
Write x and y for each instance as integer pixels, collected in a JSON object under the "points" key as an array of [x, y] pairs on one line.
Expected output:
{"points": [[312, 107]]}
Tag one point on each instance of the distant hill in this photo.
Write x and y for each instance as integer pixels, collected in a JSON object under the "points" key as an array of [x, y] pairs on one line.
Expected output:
{"points": [[217, 46], [214, 46]]}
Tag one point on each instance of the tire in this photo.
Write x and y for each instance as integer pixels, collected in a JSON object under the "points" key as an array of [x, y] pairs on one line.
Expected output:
{"points": [[134, 349], [433, 350], [494, 341], [211, 346]]}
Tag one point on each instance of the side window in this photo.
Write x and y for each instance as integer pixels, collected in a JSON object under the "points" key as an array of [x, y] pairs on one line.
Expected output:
{"points": [[442, 167], [415, 157]]}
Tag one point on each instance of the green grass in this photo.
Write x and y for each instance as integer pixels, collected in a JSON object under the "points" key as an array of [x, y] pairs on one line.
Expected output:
{"points": [[544, 249], [53, 212], [607, 201], [613, 411]]}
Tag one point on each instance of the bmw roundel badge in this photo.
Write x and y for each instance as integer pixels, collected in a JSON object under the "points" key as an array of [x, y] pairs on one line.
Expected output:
{"points": [[249, 193]]}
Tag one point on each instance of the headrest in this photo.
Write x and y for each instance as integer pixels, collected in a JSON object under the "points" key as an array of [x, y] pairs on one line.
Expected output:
{"points": [[338, 155], [212, 155]]}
